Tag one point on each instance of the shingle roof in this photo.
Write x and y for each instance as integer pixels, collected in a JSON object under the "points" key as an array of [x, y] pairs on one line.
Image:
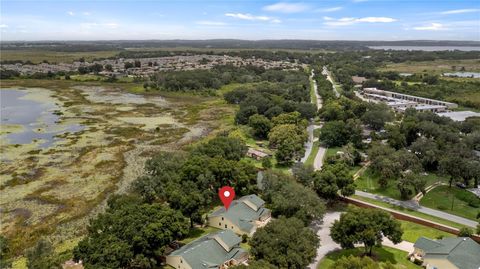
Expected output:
{"points": [[207, 252], [243, 215], [253, 199], [425, 243], [463, 252]]}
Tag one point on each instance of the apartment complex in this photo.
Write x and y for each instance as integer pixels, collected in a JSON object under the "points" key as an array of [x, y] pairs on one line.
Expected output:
{"points": [[400, 102]]}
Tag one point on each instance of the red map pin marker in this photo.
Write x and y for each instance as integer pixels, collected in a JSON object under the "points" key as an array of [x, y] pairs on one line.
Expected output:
{"points": [[226, 194]]}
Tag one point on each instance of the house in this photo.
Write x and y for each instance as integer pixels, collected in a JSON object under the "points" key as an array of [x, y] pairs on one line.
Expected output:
{"points": [[256, 154], [358, 80], [216, 250], [243, 216], [448, 253]]}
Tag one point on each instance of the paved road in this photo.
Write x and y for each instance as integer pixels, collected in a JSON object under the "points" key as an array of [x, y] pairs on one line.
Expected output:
{"points": [[329, 78], [317, 165], [327, 245], [415, 206], [318, 162]]}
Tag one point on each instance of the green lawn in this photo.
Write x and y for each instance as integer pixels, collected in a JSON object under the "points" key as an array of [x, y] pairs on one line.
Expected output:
{"points": [[368, 182], [413, 231], [311, 157], [332, 152], [382, 255], [441, 198], [410, 212], [87, 77]]}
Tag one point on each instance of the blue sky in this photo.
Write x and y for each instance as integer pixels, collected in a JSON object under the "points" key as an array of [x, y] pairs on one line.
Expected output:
{"points": [[242, 19]]}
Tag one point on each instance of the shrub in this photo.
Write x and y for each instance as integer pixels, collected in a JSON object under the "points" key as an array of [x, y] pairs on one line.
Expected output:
{"points": [[418, 262], [244, 238], [465, 232]]}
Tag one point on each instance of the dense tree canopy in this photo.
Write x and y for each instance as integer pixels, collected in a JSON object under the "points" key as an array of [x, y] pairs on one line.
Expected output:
{"points": [[285, 197], [285, 243], [130, 234]]}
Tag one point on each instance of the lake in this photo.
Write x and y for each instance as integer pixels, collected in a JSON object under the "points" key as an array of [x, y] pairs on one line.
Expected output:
{"points": [[31, 116], [426, 48], [463, 74]]}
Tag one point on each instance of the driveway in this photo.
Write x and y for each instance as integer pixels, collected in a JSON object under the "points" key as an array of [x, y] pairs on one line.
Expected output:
{"points": [[328, 245]]}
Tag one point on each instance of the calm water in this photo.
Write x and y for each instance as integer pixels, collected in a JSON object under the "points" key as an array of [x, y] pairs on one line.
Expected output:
{"points": [[425, 48], [463, 74], [37, 118]]}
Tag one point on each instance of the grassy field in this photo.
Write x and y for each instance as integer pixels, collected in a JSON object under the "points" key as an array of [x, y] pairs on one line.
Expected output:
{"points": [[436, 67], [313, 154], [382, 255], [332, 152], [368, 182], [442, 196], [410, 212], [413, 231], [37, 56]]}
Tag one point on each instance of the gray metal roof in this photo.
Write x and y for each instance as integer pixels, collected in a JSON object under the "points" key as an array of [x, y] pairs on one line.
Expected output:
{"points": [[243, 215], [207, 252], [463, 252]]}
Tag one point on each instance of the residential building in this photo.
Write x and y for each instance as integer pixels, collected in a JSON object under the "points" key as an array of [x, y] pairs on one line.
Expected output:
{"points": [[218, 250], [256, 154], [448, 253], [358, 80], [243, 216], [400, 96]]}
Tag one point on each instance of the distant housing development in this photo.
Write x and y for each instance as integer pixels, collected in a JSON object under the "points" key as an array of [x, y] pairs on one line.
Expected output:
{"points": [[148, 66], [216, 250], [448, 253], [243, 216]]}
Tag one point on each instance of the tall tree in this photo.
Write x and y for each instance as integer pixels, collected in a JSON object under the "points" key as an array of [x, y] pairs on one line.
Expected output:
{"points": [[285, 243], [290, 199], [261, 125], [365, 226]]}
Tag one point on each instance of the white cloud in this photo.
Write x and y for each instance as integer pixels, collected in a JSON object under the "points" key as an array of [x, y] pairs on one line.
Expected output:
{"points": [[286, 7], [3, 26], [71, 13], [330, 9], [350, 20], [86, 13], [250, 17], [460, 11], [211, 23], [431, 27]]}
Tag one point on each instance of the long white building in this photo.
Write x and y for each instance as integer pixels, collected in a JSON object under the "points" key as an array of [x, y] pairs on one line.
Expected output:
{"points": [[400, 102]]}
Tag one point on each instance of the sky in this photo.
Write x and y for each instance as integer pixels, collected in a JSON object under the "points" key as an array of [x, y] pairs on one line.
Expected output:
{"points": [[239, 19]]}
